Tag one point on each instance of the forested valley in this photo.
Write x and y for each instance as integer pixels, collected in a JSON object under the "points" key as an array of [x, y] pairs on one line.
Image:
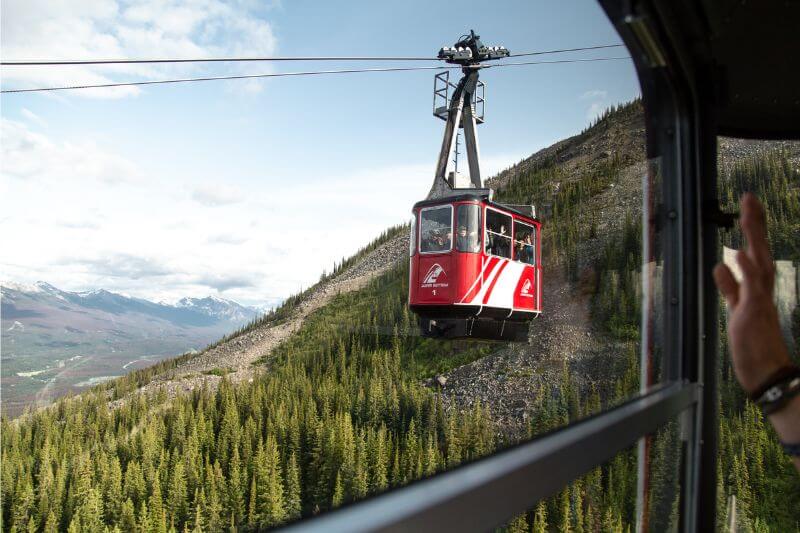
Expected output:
{"points": [[342, 410]]}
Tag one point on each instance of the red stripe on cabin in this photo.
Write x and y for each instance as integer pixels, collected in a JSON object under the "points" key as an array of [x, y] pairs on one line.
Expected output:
{"points": [[488, 266]]}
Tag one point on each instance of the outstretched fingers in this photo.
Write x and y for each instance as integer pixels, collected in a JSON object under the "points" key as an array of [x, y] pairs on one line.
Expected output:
{"points": [[754, 227], [726, 284], [753, 276]]}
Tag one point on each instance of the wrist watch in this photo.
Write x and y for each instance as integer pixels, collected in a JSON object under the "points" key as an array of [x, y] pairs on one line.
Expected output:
{"points": [[778, 390], [776, 393]]}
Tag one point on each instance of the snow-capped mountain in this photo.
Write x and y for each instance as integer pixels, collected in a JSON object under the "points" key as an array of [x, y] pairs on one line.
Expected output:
{"points": [[219, 308], [186, 312], [56, 340]]}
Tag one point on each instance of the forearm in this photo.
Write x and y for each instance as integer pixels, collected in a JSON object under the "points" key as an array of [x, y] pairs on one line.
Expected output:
{"points": [[787, 425]]}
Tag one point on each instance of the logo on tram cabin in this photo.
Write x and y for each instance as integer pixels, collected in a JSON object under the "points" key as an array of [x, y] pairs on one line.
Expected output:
{"points": [[431, 279], [526, 289]]}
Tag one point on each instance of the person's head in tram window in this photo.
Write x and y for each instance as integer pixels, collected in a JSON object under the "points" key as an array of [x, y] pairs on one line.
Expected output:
{"points": [[461, 237], [466, 241], [528, 249]]}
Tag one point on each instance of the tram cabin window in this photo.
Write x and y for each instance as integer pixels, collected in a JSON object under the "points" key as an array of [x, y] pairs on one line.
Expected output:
{"points": [[524, 243], [498, 234], [436, 229], [468, 228]]}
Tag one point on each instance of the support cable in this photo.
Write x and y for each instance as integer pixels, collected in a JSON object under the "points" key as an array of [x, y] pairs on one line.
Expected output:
{"points": [[287, 74], [67, 62], [565, 50], [555, 61], [217, 78]]}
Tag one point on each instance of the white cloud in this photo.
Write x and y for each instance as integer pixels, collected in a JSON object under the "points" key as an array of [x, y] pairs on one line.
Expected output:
{"points": [[227, 238], [33, 117], [166, 237], [594, 94], [119, 265], [119, 29], [215, 195], [598, 103], [65, 223], [29, 155], [595, 110]]}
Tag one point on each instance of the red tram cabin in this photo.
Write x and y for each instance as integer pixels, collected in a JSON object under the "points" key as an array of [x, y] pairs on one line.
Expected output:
{"points": [[476, 268]]}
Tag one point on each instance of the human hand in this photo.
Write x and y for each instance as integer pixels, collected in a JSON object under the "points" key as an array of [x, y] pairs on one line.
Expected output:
{"points": [[754, 335]]}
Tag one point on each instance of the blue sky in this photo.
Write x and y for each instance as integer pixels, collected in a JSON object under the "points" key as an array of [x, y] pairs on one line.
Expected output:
{"points": [[248, 189]]}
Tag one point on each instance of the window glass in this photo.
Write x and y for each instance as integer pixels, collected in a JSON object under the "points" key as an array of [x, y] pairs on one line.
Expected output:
{"points": [[468, 228], [299, 412], [524, 243], [749, 455], [613, 497], [412, 237], [604, 499], [436, 229], [498, 234]]}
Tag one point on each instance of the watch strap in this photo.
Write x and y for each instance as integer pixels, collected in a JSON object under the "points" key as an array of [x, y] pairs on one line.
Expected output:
{"points": [[779, 394]]}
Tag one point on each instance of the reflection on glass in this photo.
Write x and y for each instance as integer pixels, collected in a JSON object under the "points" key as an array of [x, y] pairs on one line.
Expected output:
{"points": [[602, 500], [436, 229], [758, 486]]}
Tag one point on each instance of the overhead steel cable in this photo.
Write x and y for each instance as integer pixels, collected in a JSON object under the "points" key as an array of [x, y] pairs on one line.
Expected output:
{"points": [[67, 62], [306, 73], [555, 61], [206, 60], [565, 50], [217, 78]]}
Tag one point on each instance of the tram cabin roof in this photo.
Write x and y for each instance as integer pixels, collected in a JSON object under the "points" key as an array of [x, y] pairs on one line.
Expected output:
{"points": [[473, 197]]}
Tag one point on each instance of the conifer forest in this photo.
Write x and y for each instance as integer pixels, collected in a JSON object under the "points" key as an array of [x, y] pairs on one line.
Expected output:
{"points": [[341, 410]]}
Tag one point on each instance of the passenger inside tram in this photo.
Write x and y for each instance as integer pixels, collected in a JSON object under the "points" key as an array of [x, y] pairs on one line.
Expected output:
{"points": [[467, 241], [498, 242], [523, 244]]}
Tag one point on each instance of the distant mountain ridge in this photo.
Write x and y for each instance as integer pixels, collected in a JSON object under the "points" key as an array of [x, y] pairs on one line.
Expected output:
{"points": [[54, 339], [210, 306], [208, 309]]}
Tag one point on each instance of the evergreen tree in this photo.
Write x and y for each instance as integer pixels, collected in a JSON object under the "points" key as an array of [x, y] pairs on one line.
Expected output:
{"points": [[293, 495], [177, 497], [127, 520], [540, 519]]}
